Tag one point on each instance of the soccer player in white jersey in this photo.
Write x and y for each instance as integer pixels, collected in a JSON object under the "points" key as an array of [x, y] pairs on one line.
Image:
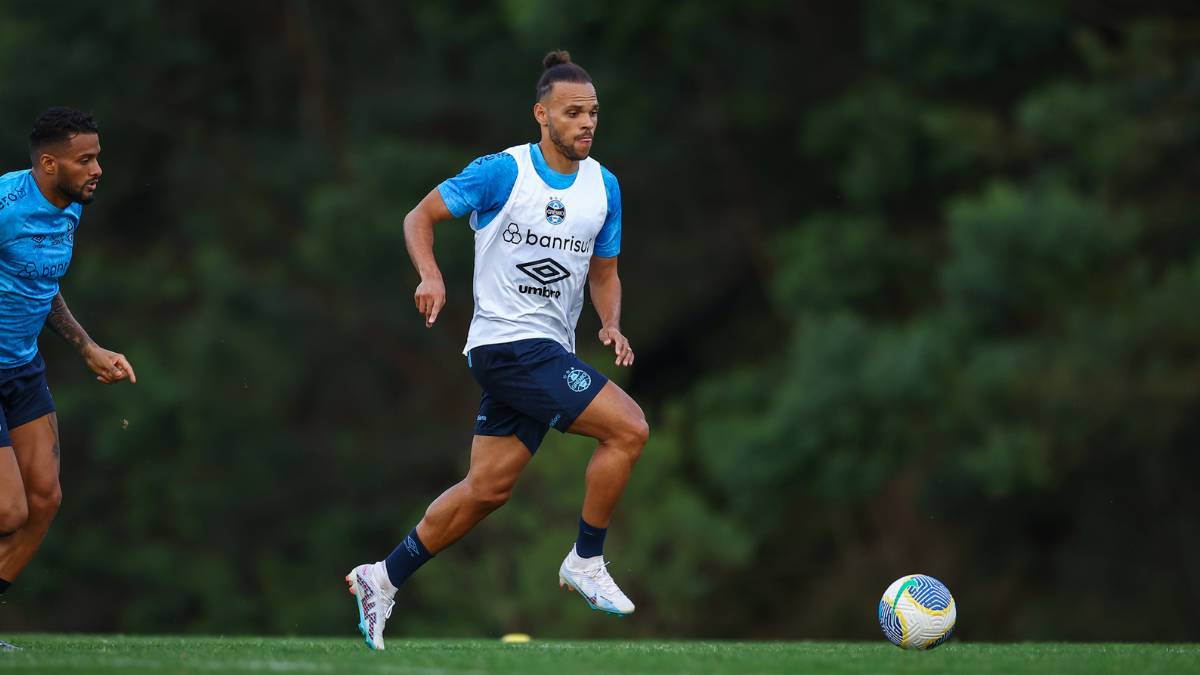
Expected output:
{"points": [[546, 217]]}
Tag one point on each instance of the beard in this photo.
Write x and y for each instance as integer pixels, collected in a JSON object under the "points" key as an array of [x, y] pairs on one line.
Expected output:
{"points": [[565, 148], [76, 194]]}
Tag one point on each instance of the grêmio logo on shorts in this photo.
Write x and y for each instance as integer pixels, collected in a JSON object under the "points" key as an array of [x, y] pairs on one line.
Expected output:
{"points": [[513, 235], [578, 380]]}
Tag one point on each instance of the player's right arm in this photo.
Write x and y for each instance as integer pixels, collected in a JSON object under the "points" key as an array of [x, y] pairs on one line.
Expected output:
{"points": [[483, 186], [430, 295]]}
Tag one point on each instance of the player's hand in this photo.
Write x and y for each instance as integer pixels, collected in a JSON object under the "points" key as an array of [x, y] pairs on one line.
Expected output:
{"points": [[108, 366], [613, 336], [430, 298]]}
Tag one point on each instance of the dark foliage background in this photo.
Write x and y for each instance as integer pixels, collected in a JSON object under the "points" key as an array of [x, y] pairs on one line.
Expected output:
{"points": [[913, 286]]}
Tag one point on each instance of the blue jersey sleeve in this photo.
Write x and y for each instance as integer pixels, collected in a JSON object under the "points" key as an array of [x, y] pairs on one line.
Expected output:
{"points": [[608, 242], [483, 186]]}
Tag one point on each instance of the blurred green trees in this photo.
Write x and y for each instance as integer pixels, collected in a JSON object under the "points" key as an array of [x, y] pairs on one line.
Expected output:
{"points": [[912, 286]]}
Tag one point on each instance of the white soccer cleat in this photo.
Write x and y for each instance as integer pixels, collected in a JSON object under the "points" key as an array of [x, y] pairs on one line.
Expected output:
{"points": [[374, 606], [590, 578], [6, 647]]}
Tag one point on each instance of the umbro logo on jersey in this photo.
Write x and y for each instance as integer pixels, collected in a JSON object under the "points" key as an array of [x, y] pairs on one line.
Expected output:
{"points": [[544, 271], [539, 290]]}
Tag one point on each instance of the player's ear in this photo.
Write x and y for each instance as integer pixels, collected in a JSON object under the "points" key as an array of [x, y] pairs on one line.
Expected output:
{"points": [[48, 163], [539, 113]]}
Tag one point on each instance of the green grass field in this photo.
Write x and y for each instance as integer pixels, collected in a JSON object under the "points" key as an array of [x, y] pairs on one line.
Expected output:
{"points": [[119, 654]]}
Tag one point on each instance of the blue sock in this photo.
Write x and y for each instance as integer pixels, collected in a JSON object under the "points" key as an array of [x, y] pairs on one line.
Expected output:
{"points": [[591, 540], [405, 560]]}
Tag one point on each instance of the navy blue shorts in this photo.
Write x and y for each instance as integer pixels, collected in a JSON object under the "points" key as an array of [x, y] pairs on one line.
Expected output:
{"points": [[24, 396], [530, 387]]}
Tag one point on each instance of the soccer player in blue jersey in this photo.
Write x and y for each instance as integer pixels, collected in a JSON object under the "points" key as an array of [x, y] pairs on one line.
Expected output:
{"points": [[39, 213], [546, 218]]}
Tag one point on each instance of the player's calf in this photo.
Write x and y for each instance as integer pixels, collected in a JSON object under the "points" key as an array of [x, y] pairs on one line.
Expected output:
{"points": [[14, 512]]}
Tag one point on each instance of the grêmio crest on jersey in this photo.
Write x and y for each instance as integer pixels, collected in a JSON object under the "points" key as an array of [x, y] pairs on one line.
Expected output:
{"points": [[556, 212]]}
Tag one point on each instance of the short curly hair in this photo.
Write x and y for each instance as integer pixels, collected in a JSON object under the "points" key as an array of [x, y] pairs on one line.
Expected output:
{"points": [[58, 124]]}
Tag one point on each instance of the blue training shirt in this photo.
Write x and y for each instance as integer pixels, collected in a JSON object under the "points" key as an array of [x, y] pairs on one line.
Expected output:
{"points": [[36, 240], [485, 184]]}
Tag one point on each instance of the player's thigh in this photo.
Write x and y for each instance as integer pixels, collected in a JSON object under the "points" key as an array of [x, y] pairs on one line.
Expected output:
{"points": [[612, 415], [36, 447], [497, 461]]}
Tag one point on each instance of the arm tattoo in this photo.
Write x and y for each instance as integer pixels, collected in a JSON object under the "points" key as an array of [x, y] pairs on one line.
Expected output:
{"points": [[64, 324]]}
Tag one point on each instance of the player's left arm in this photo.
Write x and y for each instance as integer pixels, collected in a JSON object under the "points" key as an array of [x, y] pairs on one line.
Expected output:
{"points": [[605, 286], [109, 366], [603, 281]]}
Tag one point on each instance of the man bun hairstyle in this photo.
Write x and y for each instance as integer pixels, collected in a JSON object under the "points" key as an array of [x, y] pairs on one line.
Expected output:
{"points": [[56, 125], [558, 67]]}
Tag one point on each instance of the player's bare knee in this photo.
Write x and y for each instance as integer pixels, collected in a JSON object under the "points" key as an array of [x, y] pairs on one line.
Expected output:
{"points": [[44, 500], [490, 494], [13, 516], [641, 432], [633, 436], [493, 499]]}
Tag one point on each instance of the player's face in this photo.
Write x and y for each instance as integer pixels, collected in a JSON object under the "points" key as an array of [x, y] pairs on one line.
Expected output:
{"points": [[77, 167], [572, 112]]}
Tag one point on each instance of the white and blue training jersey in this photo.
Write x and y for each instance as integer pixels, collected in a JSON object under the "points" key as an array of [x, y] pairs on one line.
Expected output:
{"points": [[536, 231]]}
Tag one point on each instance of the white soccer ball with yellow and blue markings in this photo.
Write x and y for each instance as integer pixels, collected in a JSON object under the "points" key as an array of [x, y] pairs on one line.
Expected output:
{"points": [[917, 612]]}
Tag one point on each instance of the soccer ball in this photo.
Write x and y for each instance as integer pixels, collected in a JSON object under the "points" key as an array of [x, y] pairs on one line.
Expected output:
{"points": [[917, 612]]}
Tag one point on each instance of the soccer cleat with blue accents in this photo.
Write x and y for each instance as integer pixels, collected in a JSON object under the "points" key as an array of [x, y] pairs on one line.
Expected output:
{"points": [[6, 647], [590, 578], [374, 606]]}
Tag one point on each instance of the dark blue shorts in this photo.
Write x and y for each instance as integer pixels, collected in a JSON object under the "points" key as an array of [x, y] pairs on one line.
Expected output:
{"points": [[530, 387], [24, 396]]}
